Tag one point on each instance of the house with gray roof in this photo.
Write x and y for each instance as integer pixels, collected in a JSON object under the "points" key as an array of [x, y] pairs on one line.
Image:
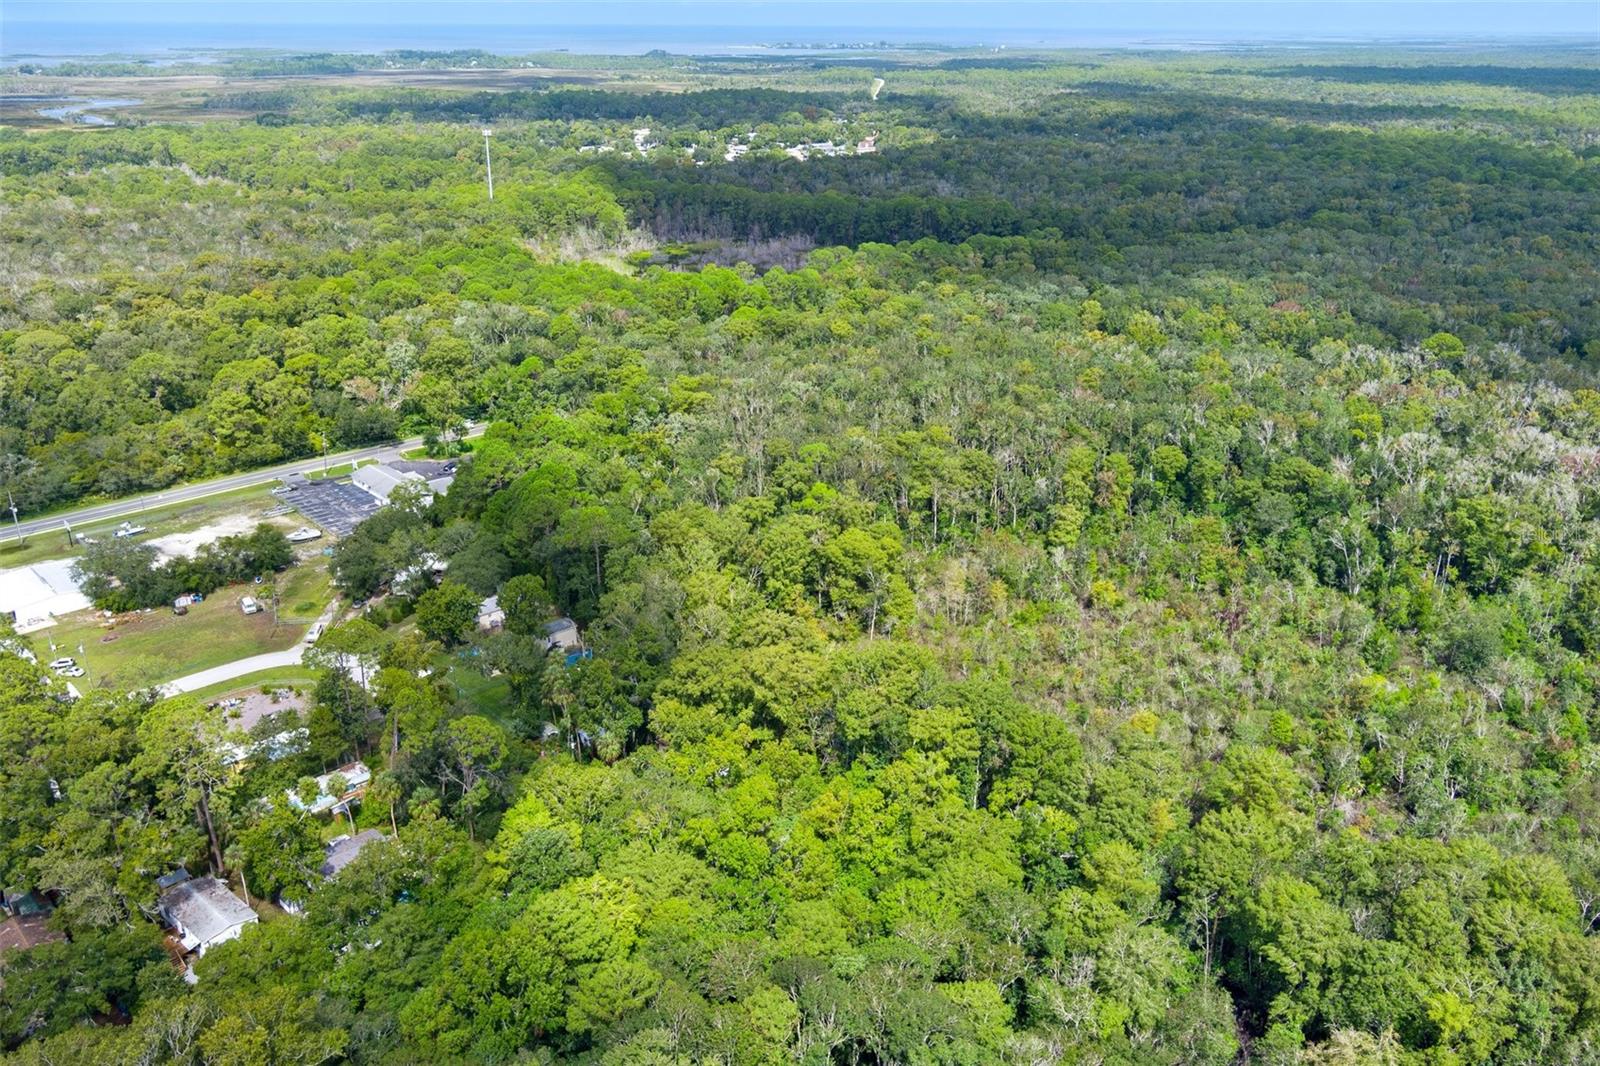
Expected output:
{"points": [[204, 913], [491, 615], [342, 851], [561, 634]]}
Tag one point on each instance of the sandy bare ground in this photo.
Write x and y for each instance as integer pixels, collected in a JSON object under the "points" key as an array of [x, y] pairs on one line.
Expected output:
{"points": [[258, 704], [184, 545]]}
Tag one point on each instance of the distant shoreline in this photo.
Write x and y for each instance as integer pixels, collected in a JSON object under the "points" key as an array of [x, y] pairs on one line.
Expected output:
{"points": [[164, 44]]}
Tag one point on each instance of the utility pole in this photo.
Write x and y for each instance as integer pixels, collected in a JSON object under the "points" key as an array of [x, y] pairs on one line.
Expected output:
{"points": [[488, 167], [13, 466]]}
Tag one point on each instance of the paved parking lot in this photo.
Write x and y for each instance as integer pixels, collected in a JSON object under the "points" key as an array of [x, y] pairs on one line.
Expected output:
{"points": [[336, 506]]}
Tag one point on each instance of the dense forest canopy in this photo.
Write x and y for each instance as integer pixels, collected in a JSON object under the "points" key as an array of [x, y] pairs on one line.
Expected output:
{"points": [[1110, 574], [1384, 209]]}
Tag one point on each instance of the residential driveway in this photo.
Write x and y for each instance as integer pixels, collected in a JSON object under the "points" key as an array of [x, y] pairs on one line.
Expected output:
{"points": [[240, 667]]}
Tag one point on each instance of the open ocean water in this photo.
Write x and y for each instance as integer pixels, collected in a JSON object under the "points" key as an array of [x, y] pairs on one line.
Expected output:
{"points": [[51, 39]]}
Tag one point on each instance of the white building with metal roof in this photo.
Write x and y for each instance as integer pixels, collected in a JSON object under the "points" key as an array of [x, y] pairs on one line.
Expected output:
{"points": [[37, 595]]}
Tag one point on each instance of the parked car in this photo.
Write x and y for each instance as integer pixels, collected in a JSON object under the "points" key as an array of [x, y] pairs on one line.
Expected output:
{"points": [[314, 632], [249, 605], [71, 671], [61, 663]]}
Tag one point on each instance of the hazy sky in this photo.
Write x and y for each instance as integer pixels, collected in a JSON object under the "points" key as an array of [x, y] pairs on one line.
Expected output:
{"points": [[1213, 19]]}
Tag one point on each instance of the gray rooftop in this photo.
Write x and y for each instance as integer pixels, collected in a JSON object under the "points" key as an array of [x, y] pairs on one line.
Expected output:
{"points": [[380, 480], [204, 908], [562, 633], [343, 851]]}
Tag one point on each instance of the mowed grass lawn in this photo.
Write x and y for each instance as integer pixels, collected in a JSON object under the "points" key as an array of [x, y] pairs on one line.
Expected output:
{"points": [[337, 470], [488, 696], [304, 590], [143, 649], [301, 677]]}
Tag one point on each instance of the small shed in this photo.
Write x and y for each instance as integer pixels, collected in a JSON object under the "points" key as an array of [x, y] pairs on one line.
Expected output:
{"points": [[177, 877], [562, 634], [23, 903]]}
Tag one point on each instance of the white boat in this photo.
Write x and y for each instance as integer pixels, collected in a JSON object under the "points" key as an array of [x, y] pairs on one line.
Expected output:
{"points": [[303, 534], [128, 529]]}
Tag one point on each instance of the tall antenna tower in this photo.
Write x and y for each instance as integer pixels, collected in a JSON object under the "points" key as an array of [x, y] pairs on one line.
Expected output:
{"points": [[488, 167]]}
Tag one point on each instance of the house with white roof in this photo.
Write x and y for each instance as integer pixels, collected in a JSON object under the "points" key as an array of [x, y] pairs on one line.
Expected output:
{"points": [[491, 615], [356, 777]]}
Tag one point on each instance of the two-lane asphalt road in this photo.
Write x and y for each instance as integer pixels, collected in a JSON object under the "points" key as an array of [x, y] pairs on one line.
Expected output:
{"points": [[200, 489]]}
